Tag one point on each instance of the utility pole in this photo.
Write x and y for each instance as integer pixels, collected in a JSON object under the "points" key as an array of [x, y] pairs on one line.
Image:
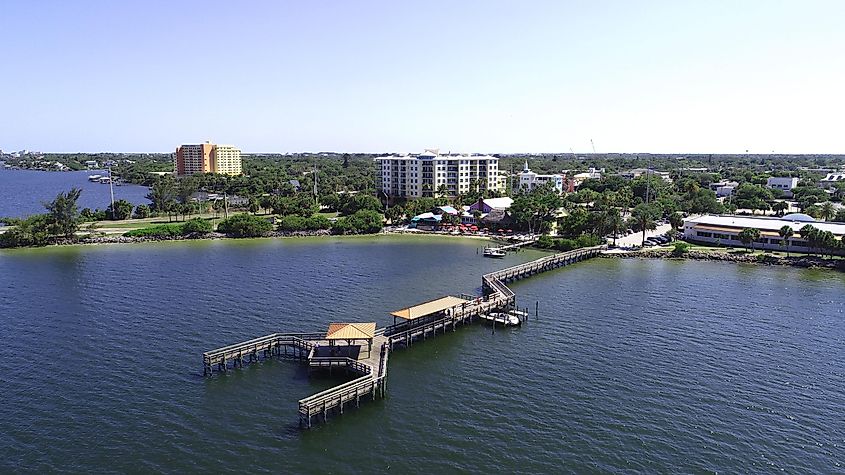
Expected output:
{"points": [[315, 183], [225, 205], [111, 190]]}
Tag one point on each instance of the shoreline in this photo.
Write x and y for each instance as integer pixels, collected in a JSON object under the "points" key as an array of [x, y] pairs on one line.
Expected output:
{"points": [[801, 261], [214, 236]]}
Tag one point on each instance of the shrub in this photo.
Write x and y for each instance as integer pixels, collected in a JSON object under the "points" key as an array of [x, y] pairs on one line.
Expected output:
{"points": [[244, 225], [680, 248], [292, 222], [341, 226], [158, 231], [545, 242], [196, 226], [366, 222], [317, 222]]}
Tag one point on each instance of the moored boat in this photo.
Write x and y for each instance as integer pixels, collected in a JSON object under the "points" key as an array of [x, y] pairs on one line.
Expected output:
{"points": [[494, 252]]}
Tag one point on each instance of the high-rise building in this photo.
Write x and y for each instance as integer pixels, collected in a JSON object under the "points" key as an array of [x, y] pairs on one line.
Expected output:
{"points": [[207, 158], [430, 174]]}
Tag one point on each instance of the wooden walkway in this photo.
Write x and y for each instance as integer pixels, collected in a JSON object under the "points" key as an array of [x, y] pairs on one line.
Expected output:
{"points": [[370, 367]]}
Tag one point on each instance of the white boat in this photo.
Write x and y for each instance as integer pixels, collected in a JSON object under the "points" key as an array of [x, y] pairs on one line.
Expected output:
{"points": [[494, 252], [94, 177], [502, 318], [106, 180]]}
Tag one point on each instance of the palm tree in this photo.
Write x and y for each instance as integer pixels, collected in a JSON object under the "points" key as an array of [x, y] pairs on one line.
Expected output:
{"points": [[809, 234], [613, 222], [786, 233], [748, 236], [779, 207], [827, 211], [645, 216]]}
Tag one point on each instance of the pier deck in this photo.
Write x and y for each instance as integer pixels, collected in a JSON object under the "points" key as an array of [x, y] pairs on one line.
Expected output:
{"points": [[369, 362]]}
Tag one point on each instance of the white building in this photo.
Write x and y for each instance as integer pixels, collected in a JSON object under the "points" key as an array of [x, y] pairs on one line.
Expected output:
{"points": [[591, 174], [724, 188], [422, 175], [529, 180], [724, 230], [832, 180], [784, 184], [638, 172]]}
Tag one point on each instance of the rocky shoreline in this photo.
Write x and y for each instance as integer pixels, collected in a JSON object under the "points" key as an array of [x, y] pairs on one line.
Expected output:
{"points": [[120, 239], [803, 261]]}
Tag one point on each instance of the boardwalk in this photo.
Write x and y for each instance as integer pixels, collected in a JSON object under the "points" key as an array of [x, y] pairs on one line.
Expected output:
{"points": [[369, 363]]}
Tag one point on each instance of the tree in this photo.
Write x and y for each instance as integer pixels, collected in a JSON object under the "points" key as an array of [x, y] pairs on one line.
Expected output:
{"points": [[162, 195], [780, 207], [266, 202], [748, 236], [254, 205], [810, 234], [64, 213], [840, 216], [827, 211], [122, 210], [394, 214], [785, 233], [141, 212], [645, 218], [676, 220], [614, 223]]}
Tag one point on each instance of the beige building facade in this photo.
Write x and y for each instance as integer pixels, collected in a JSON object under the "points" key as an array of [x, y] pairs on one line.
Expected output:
{"points": [[207, 157]]}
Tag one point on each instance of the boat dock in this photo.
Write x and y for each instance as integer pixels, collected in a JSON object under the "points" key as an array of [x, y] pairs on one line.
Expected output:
{"points": [[362, 350]]}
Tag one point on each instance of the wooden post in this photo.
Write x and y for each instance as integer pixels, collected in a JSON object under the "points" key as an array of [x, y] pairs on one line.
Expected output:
{"points": [[537, 309]]}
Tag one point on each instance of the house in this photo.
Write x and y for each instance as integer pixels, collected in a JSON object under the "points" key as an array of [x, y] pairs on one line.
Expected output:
{"points": [[724, 188], [833, 180], [784, 184], [497, 219], [295, 184], [488, 205]]}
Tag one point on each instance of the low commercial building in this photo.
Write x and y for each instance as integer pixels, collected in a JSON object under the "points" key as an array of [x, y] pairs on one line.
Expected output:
{"points": [[724, 230], [784, 184]]}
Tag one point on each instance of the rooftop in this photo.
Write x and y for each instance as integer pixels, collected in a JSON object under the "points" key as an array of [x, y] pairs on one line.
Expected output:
{"points": [[766, 223], [351, 331], [428, 308]]}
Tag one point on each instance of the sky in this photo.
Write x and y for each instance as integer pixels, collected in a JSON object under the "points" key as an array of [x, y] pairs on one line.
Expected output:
{"points": [[675, 76]]}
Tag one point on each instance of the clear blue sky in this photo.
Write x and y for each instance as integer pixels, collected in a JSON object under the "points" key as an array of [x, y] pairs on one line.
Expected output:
{"points": [[370, 76]]}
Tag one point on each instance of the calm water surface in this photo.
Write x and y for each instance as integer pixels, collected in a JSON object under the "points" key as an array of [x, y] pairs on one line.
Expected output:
{"points": [[23, 192], [632, 366]]}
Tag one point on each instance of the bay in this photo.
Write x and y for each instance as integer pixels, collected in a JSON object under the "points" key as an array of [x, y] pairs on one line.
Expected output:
{"points": [[24, 192], [632, 365]]}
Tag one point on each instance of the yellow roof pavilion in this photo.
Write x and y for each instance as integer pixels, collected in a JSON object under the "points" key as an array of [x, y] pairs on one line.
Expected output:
{"points": [[351, 331], [427, 308]]}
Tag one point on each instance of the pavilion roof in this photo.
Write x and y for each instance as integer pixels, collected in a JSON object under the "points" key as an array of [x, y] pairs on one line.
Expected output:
{"points": [[351, 331], [428, 308]]}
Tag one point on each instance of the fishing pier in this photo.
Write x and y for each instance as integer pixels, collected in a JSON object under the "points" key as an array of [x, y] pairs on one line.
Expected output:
{"points": [[361, 350]]}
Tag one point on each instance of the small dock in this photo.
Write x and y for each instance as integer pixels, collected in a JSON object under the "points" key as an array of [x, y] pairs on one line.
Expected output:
{"points": [[514, 246], [362, 350]]}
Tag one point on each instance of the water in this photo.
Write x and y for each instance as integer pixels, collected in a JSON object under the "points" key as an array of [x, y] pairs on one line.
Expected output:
{"points": [[24, 192], [640, 366]]}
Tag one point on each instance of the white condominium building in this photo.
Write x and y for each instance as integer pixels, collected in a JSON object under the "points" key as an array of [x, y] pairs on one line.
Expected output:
{"points": [[427, 174], [529, 180]]}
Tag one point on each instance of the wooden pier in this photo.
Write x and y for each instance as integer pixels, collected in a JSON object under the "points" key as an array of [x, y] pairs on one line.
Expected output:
{"points": [[320, 351]]}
